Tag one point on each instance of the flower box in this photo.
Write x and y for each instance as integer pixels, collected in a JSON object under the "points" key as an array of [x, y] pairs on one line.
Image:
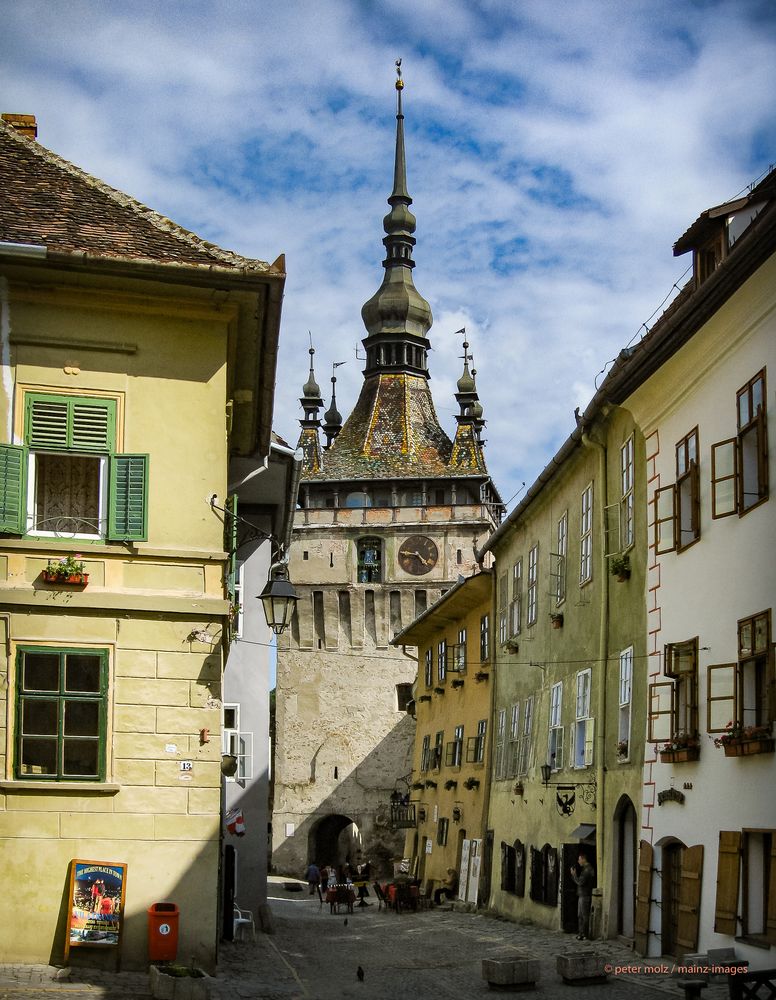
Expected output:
{"points": [[71, 580], [680, 755], [174, 982], [745, 748]]}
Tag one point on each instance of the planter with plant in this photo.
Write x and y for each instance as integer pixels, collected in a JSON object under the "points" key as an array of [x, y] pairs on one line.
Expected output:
{"points": [[481, 675], [680, 748], [471, 783], [179, 982], [458, 683], [744, 741], [67, 570], [621, 568], [622, 750], [451, 784], [556, 619]]}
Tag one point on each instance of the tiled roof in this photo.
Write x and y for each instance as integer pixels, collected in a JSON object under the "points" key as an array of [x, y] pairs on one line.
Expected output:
{"points": [[47, 201], [393, 432]]}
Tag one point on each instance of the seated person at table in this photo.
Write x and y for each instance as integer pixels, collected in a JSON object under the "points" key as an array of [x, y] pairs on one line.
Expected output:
{"points": [[449, 887]]}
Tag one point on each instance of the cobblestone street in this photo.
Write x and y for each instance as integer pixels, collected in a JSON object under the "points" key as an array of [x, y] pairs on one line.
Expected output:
{"points": [[315, 955]]}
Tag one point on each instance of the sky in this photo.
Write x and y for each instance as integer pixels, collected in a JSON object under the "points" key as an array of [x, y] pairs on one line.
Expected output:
{"points": [[555, 153]]}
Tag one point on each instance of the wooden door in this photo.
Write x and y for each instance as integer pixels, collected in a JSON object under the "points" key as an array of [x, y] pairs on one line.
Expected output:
{"points": [[643, 897]]}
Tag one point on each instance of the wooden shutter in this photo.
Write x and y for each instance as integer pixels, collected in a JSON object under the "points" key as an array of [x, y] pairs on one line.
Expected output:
{"points": [[128, 503], [728, 874], [230, 544], [504, 867], [536, 890], [690, 897], [770, 916], [643, 897], [665, 519], [520, 868], [589, 739], [551, 875], [70, 423], [13, 469], [724, 478]]}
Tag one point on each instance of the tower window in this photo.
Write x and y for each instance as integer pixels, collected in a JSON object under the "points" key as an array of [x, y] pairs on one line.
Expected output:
{"points": [[370, 560]]}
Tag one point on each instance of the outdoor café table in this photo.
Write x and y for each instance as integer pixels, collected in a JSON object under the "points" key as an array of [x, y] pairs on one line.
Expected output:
{"points": [[331, 894], [391, 892], [361, 889]]}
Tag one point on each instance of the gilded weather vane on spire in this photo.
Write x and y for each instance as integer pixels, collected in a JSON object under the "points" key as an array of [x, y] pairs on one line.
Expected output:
{"points": [[399, 81]]}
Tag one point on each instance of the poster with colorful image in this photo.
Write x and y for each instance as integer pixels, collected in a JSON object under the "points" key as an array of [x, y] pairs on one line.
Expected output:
{"points": [[96, 903]]}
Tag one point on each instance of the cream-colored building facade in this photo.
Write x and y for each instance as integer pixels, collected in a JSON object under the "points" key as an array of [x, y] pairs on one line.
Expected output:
{"points": [[135, 359], [449, 785]]}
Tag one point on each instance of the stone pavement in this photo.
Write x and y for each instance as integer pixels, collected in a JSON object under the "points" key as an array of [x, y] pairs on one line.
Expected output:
{"points": [[314, 955]]}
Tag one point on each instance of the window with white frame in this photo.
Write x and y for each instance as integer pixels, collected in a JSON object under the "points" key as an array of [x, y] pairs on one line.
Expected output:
{"points": [[436, 753], [237, 743], [533, 585], [456, 654], [499, 747], [624, 716], [442, 661], [514, 739], [673, 704], [558, 559], [484, 637], [67, 478], [475, 745], [238, 612], [525, 736], [586, 536], [425, 753], [429, 667], [627, 479], [555, 747], [454, 749], [503, 608], [584, 724], [515, 607]]}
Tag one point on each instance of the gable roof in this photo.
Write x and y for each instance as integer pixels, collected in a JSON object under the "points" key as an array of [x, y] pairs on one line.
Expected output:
{"points": [[50, 202]]}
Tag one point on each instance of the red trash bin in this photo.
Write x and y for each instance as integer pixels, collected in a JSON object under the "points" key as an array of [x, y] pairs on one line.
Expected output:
{"points": [[163, 932]]}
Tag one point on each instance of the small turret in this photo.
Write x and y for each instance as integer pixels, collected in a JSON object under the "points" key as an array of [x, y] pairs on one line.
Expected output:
{"points": [[332, 417], [312, 401]]}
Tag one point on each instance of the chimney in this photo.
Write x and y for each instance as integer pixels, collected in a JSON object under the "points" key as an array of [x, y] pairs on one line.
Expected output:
{"points": [[24, 124]]}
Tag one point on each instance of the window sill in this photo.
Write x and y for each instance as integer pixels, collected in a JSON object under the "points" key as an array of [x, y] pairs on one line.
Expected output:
{"points": [[82, 787], [755, 941]]}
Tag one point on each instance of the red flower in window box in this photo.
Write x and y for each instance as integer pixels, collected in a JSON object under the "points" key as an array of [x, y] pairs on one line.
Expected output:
{"points": [[67, 570]]}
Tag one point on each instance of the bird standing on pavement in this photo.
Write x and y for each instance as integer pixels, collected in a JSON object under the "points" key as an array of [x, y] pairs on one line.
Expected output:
{"points": [[360, 974]]}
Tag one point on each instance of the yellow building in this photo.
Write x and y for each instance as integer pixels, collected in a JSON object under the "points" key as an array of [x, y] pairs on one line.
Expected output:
{"points": [[136, 359], [451, 765]]}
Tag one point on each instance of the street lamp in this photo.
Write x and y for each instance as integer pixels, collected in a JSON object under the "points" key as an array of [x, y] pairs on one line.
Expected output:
{"points": [[279, 598]]}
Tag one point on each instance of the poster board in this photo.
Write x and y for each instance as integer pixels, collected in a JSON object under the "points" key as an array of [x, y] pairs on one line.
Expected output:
{"points": [[95, 904], [463, 878]]}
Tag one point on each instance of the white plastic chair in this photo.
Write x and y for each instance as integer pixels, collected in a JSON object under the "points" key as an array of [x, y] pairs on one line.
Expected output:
{"points": [[242, 920]]}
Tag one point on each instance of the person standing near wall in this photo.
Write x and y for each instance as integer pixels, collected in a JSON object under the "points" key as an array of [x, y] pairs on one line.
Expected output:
{"points": [[584, 876], [313, 876]]}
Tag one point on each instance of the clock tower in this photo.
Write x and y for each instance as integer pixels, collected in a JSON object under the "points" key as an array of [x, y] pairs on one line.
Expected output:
{"points": [[391, 509]]}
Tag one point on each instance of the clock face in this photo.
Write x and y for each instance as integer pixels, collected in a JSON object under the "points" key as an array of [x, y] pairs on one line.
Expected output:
{"points": [[418, 555]]}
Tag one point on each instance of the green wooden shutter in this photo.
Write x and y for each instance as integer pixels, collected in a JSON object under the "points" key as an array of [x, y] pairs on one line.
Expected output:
{"points": [[128, 501], [13, 468], [230, 544], [70, 423]]}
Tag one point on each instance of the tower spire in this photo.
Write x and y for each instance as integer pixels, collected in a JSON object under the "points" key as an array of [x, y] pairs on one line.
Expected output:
{"points": [[332, 417], [397, 317], [311, 400]]}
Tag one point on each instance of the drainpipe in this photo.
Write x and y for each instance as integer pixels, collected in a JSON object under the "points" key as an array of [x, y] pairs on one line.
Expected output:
{"points": [[603, 637]]}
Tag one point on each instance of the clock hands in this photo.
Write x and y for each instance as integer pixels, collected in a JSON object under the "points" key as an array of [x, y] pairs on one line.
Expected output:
{"points": [[405, 552]]}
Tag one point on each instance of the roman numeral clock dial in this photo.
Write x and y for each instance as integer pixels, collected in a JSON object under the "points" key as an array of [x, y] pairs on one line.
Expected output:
{"points": [[418, 555]]}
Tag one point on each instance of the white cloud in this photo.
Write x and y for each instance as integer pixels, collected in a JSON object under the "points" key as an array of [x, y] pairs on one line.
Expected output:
{"points": [[555, 153]]}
